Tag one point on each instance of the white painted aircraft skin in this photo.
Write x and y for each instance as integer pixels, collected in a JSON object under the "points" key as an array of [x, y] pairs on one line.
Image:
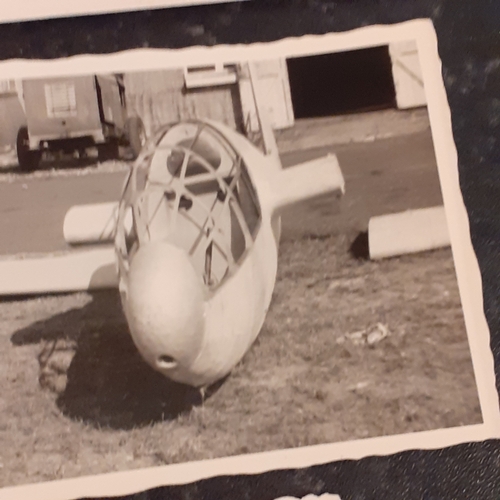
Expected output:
{"points": [[189, 330], [201, 348]]}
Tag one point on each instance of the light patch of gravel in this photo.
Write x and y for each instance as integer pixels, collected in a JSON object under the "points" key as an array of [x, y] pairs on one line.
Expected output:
{"points": [[9, 170]]}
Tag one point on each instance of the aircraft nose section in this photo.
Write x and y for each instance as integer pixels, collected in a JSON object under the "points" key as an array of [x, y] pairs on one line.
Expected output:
{"points": [[165, 307]]}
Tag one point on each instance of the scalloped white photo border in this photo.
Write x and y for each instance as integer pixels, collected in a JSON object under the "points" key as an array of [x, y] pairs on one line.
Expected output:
{"points": [[29, 10], [466, 265]]}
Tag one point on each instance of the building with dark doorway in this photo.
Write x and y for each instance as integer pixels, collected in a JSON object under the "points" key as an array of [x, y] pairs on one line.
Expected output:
{"points": [[291, 88]]}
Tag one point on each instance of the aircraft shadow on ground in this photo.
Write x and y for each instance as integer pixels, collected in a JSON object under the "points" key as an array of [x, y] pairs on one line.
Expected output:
{"points": [[89, 360]]}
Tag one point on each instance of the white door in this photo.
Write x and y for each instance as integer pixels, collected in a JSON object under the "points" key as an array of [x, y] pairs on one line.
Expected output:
{"points": [[272, 76], [407, 74]]}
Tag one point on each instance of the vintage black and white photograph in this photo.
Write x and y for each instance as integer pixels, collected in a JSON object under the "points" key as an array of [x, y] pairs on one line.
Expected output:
{"points": [[223, 258]]}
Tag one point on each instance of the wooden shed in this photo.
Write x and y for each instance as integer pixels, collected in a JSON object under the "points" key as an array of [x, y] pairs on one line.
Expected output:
{"points": [[304, 87], [330, 84], [221, 92]]}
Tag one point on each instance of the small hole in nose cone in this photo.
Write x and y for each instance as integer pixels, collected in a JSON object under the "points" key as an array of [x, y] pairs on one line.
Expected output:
{"points": [[166, 361]]}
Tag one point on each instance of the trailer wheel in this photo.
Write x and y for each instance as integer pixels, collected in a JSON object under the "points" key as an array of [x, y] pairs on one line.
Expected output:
{"points": [[136, 134], [108, 151], [28, 159]]}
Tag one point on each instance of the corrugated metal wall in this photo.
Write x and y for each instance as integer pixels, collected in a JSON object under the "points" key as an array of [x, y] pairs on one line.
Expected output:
{"points": [[160, 97]]}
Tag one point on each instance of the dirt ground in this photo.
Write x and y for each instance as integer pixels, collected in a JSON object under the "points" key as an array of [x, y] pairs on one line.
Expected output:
{"points": [[350, 348]]}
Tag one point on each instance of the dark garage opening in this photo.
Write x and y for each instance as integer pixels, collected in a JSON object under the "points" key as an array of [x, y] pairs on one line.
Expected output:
{"points": [[340, 83]]}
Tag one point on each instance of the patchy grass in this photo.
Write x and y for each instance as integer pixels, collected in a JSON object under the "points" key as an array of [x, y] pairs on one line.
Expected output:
{"points": [[77, 399]]}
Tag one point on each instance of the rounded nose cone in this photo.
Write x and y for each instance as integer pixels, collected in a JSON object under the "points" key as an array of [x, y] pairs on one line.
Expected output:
{"points": [[165, 306]]}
